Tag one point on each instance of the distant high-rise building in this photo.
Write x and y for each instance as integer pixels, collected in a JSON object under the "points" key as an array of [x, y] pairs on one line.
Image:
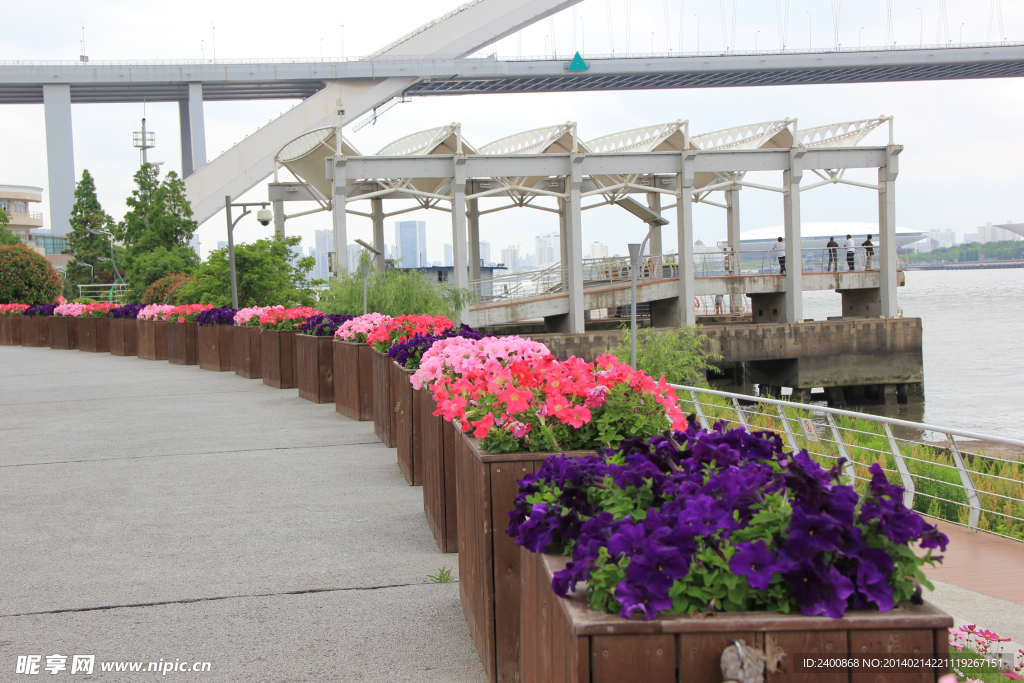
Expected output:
{"points": [[598, 250], [485, 252], [222, 245], [353, 257], [411, 242], [449, 257], [194, 243], [992, 233], [548, 251], [324, 244], [510, 257]]}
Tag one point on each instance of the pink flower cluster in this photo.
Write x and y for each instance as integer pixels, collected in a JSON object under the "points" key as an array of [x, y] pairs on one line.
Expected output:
{"points": [[155, 312], [12, 309], [245, 315], [358, 329], [186, 313], [281, 318], [456, 357], [395, 330], [70, 310], [987, 644]]}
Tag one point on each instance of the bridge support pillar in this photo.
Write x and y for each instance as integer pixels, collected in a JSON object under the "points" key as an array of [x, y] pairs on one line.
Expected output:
{"points": [[861, 303], [197, 126], [60, 155], [732, 221], [461, 273], [338, 220], [684, 232], [377, 211], [573, 256], [185, 126], [665, 313], [279, 220], [563, 233], [474, 238], [887, 231], [794, 256], [656, 249]]}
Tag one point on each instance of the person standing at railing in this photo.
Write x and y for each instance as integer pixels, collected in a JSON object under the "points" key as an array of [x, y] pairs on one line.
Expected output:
{"points": [[719, 304], [780, 248], [851, 250], [833, 257], [869, 252]]}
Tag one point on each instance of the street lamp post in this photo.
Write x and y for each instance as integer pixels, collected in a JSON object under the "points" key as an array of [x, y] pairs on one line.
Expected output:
{"points": [[366, 268], [113, 265], [635, 252], [231, 239]]}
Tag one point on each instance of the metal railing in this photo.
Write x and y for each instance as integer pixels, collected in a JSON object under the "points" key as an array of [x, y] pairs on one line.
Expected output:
{"points": [[962, 477], [109, 292]]}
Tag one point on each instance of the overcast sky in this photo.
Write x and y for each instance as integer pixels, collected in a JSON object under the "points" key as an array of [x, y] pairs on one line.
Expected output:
{"points": [[960, 167]]}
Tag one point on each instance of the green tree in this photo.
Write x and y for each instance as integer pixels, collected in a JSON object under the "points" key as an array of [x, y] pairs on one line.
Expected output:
{"points": [[682, 355], [26, 277], [266, 271], [156, 230], [7, 237], [88, 249]]}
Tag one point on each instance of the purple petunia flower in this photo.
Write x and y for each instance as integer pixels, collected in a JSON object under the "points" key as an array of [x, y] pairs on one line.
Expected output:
{"points": [[638, 597], [756, 562]]}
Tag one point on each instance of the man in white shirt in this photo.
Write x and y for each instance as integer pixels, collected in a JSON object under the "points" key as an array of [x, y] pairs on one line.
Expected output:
{"points": [[780, 248], [851, 250]]}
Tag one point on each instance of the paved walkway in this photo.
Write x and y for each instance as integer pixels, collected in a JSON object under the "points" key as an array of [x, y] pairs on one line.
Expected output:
{"points": [[152, 511]]}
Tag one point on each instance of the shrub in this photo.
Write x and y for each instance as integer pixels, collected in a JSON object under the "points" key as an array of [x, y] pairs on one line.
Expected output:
{"points": [[166, 289], [681, 356], [396, 292], [26, 277]]}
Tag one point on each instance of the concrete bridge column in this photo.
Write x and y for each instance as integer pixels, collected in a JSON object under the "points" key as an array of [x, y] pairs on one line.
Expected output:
{"points": [[732, 225], [279, 220], [474, 238], [60, 155], [185, 126], [573, 256], [377, 211], [887, 231], [654, 202], [338, 218], [461, 274], [794, 257], [563, 249], [197, 126], [684, 231]]}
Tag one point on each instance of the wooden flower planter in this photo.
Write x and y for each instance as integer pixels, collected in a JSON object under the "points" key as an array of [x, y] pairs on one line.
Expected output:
{"points": [[353, 380], [566, 640], [216, 347], [316, 367], [152, 339], [489, 571], [439, 473], [248, 358], [63, 332], [407, 435], [124, 337], [10, 330], [183, 343], [278, 362], [383, 400], [35, 330], [94, 335]]}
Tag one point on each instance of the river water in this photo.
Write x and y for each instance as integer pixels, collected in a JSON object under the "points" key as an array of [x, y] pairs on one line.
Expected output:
{"points": [[973, 322]]}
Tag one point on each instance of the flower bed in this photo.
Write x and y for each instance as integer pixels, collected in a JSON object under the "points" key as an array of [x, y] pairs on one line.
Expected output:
{"points": [[183, 335], [35, 326], [278, 326], [439, 473], [248, 358], [703, 522], [94, 327], [124, 330], [356, 367], [10, 323], [315, 357], [215, 336], [64, 326], [152, 331]]}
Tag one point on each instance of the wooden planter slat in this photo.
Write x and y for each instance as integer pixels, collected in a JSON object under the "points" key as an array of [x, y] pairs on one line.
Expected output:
{"points": [[35, 330], [63, 332], [316, 367], [383, 400], [408, 434], [248, 358], [439, 473], [183, 343], [10, 330], [124, 336], [489, 579], [353, 380], [278, 361], [566, 640], [216, 347], [94, 335], [152, 339]]}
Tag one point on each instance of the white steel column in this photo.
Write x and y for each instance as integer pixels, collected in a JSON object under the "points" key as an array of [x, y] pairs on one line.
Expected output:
{"points": [[377, 211], [732, 227], [461, 274], [278, 207], [197, 126], [887, 261], [794, 255], [684, 232], [186, 139], [474, 239], [338, 216], [563, 244], [654, 202], [572, 259], [60, 155]]}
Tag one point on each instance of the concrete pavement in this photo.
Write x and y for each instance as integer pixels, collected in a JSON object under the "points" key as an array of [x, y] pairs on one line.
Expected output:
{"points": [[152, 511]]}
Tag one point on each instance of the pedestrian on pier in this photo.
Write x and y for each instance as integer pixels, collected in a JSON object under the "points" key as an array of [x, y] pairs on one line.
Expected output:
{"points": [[780, 248], [869, 252], [833, 259], [719, 301], [851, 250]]}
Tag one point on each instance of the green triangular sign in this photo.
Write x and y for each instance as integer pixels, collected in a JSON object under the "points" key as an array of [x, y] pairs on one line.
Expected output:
{"points": [[578, 64]]}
